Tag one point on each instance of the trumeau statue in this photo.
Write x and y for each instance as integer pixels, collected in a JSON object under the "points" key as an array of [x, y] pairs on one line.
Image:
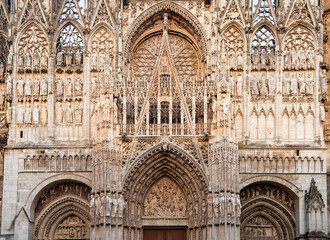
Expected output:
{"points": [[44, 86]]}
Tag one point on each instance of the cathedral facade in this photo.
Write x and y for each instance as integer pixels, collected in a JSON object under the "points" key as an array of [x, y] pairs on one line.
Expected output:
{"points": [[154, 120]]}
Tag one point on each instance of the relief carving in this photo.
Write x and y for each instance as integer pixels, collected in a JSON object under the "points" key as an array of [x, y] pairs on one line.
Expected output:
{"points": [[165, 199]]}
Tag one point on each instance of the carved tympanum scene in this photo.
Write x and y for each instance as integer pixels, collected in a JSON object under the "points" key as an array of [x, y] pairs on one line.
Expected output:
{"points": [[130, 120]]}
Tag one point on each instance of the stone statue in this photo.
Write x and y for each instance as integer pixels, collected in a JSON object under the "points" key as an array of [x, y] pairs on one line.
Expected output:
{"points": [[20, 87], [255, 59], [59, 113], [44, 115], [59, 58], [28, 61], [44, 60], [69, 87], [97, 205], [9, 86], [2, 69], [94, 60], [78, 58], [78, 86], [20, 115], [222, 203], [286, 84], [35, 114], [8, 115], [301, 84], [78, 114], [239, 85], [322, 113], [94, 84], [323, 82], [59, 87], [68, 59], [262, 85], [69, 114], [28, 87], [294, 60], [310, 59], [102, 204], [239, 60], [263, 59], [28, 114], [102, 59], [272, 60], [287, 60], [293, 85], [92, 206], [10, 58], [36, 59], [2, 99], [36, 87], [108, 205], [21, 60], [254, 85], [309, 84], [302, 59], [232, 60], [272, 84], [44, 86]]}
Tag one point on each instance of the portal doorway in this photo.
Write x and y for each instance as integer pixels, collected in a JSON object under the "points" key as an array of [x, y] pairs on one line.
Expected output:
{"points": [[164, 234]]}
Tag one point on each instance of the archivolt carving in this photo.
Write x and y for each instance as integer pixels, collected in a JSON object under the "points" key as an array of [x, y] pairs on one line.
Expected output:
{"points": [[63, 211], [165, 6], [164, 160], [267, 211]]}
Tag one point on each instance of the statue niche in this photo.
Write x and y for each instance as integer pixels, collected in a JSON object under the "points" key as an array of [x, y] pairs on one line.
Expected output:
{"points": [[165, 199]]}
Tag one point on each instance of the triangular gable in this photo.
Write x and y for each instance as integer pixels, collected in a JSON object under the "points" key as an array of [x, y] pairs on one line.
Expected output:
{"points": [[233, 12], [300, 10], [264, 12], [70, 10], [32, 9], [164, 58], [102, 14]]}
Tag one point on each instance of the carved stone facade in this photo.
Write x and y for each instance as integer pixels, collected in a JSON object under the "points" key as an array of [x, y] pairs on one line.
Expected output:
{"points": [[204, 116]]}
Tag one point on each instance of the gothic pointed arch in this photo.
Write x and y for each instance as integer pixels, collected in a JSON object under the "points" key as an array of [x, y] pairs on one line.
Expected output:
{"points": [[164, 164], [186, 18], [264, 13], [102, 14], [300, 11], [233, 13], [32, 10], [71, 10], [61, 207], [268, 211]]}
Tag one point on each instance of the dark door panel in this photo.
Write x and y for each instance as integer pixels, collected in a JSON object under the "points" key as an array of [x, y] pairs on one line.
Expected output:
{"points": [[164, 234]]}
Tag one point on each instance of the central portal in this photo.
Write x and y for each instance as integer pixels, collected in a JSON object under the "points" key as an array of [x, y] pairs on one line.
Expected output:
{"points": [[164, 234]]}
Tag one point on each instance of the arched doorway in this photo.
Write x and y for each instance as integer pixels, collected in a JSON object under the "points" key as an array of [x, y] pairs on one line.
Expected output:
{"points": [[62, 212], [165, 190], [268, 212]]}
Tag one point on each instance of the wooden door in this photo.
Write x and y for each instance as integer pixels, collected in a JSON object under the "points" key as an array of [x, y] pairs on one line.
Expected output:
{"points": [[164, 234]]}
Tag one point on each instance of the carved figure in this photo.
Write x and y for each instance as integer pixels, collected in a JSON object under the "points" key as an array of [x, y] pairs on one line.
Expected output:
{"points": [[255, 58], [20, 87], [323, 82], [9, 86], [97, 205], [69, 114], [28, 61], [44, 60], [232, 60], [2, 99], [294, 60], [44, 86], [301, 84], [36, 60], [94, 61], [293, 85], [287, 64], [10, 58], [272, 60], [68, 59], [302, 59], [69, 87], [309, 84], [286, 84], [36, 87], [254, 85], [78, 86], [59, 58], [322, 113], [310, 59], [239, 85], [262, 85], [2, 69], [59, 87], [78, 114], [9, 115], [263, 59], [94, 85], [272, 84], [78, 58], [28, 87]]}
